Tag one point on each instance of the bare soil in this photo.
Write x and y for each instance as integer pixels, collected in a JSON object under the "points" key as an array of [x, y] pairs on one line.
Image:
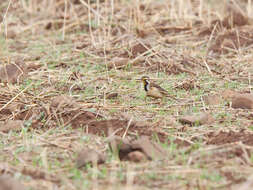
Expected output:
{"points": [[70, 82]]}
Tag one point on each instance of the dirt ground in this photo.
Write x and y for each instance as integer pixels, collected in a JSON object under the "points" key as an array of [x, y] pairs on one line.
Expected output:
{"points": [[73, 112]]}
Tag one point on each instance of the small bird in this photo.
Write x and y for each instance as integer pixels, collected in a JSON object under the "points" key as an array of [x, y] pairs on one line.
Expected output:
{"points": [[153, 90]]}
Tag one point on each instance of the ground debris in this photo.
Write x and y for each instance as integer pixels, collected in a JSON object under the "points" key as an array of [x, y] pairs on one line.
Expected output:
{"points": [[137, 150], [89, 156], [70, 111], [112, 95], [80, 54], [11, 34], [152, 150], [246, 185], [139, 48], [33, 172], [11, 108], [238, 99], [136, 156], [39, 174], [101, 127], [235, 16], [59, 102], [163, 30], [187, 84], [129, 128], [13, 73], [118, 63], [243, 101], [212, 99], [11, 125], [224, 137], [197, 119], [8, 183], [232, 40], [229, 94]]}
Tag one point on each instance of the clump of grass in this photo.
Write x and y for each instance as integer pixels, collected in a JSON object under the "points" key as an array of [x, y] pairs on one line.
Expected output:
{"points": [[78, 37]]}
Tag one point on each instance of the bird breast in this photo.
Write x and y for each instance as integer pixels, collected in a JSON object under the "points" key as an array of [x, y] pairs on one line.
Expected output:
{"points": [[154, 92]]}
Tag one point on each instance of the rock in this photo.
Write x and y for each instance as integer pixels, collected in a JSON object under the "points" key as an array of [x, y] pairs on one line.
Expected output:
{"points": [[137, 150], [152, 150], [243, 101], [197, 119], [136, 156]]}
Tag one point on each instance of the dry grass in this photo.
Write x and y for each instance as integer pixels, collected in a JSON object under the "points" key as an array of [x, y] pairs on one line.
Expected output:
{"points": [[87, 49]]}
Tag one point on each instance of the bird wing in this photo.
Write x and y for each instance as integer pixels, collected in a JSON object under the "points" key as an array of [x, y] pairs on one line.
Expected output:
{"points": [[163, 91]]}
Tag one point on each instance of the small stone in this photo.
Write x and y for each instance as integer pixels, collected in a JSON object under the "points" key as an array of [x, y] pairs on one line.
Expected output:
{"points": [[137, 156], [243, 101], [198, 119]]}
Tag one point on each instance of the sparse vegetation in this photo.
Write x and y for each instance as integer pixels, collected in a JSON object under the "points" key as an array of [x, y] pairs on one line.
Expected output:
{"points": [[70, 73]]}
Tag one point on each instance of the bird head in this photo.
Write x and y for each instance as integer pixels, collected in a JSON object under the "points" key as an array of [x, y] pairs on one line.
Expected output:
{"points": [[146, 82], [145, 79]]}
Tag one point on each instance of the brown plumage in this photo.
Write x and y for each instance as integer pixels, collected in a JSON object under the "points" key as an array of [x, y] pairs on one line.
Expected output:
{"points": [[153, 90]]}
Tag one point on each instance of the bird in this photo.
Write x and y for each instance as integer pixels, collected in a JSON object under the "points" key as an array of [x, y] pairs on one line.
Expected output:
{"points": [[153, 90]]}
